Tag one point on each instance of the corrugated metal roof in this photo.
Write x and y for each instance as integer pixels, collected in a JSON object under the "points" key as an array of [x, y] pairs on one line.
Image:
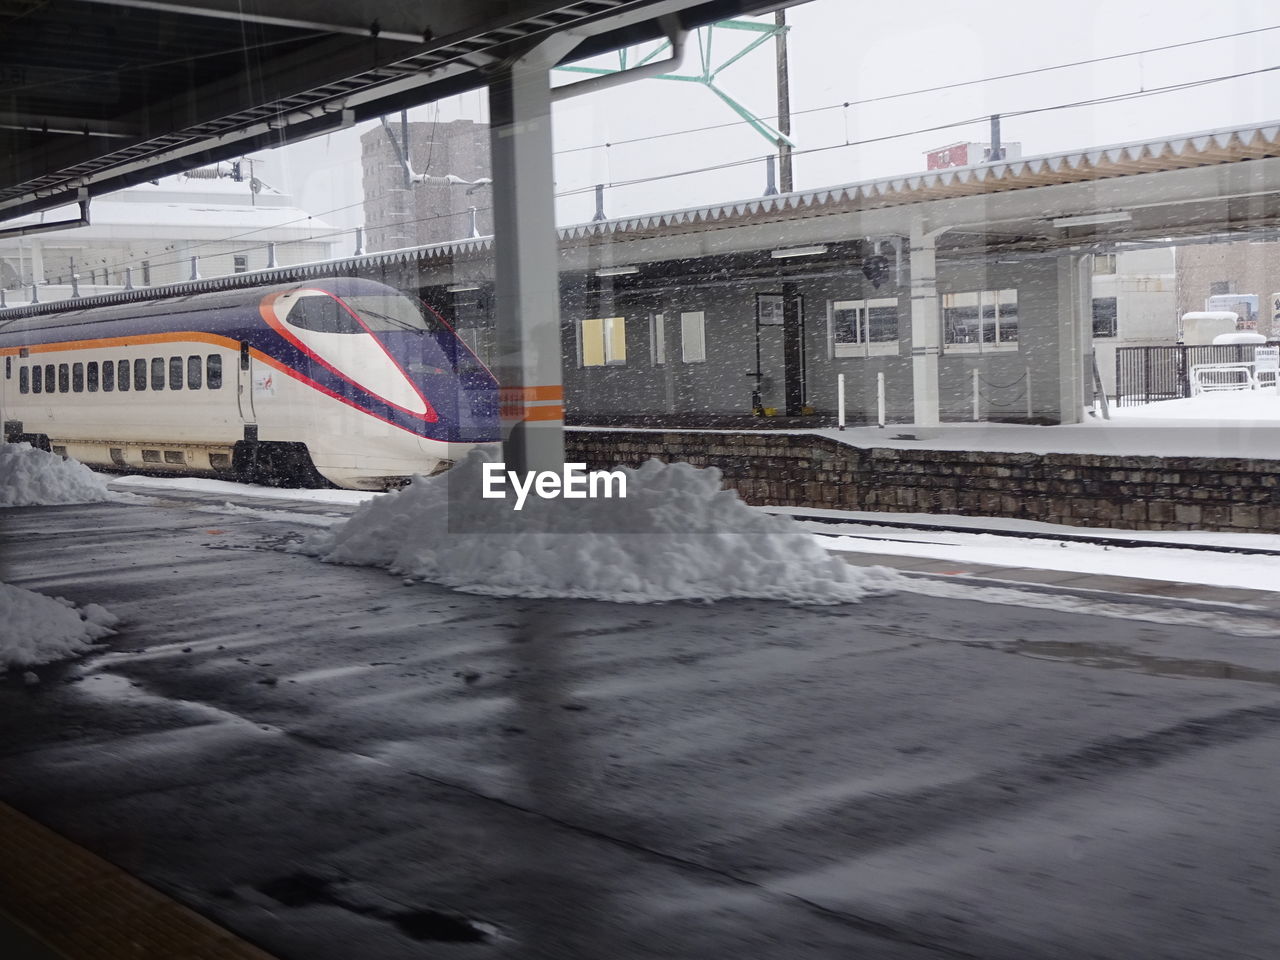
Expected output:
{"points": [[1118, 160]]}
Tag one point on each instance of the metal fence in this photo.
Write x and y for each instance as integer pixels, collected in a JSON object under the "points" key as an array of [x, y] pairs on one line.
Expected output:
{"points": [[1147, 374]]}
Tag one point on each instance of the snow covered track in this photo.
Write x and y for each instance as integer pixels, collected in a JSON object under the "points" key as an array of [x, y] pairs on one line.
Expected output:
{"points": [[333, 764], [1114, 539]]}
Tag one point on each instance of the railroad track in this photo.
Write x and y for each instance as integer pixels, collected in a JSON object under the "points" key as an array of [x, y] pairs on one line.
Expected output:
{"points": [[1118, 541]]}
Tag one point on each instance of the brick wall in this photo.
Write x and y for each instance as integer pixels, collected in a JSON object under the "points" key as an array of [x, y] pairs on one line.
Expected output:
{"points": [[799, 470]]}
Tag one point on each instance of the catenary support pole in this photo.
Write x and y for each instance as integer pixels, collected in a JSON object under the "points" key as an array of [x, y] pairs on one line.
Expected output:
{"points": [[526, 261], [880, 399], [784, 103]]}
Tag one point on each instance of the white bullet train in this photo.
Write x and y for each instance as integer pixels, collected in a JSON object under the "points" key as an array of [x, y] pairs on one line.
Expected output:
{"points": [[341, 380]]}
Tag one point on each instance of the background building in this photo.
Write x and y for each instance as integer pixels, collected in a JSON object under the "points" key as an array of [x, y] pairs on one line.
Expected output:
{"points": [[398, 215], [1134, 304], [1244, 267], [231, 226]]}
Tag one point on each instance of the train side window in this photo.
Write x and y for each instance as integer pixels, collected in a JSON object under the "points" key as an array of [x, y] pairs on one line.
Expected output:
{"points": [[108, 376], [64, 378], [139, 374], [77, 377], [213, 371], [24, 380], [50, 379], [8, 368], [157, 373], [122, 374], [37, 381], [175, 373], [194, 370], [91, 376]]}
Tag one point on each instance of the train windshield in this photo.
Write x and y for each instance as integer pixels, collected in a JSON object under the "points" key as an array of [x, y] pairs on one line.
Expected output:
{"points": [[324, 314], [382, 313]]}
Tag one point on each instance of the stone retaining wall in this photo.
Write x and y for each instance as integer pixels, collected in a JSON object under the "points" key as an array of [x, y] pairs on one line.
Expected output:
{"points": [[801, 470]]}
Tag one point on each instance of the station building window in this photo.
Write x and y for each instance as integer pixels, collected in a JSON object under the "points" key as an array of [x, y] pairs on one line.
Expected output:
{"points": [[602, 341], [980, 319], [213, 371], [693, 337], [1104, 263], [241, 262], [862, 328], [657, 339], [1104, 316]]}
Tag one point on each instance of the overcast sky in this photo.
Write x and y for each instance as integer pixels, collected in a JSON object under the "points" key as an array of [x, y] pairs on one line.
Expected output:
{"points": [[842, 51]]}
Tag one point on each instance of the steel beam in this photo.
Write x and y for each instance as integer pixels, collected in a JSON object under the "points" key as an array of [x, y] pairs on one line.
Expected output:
{"points": [[526, 260]]}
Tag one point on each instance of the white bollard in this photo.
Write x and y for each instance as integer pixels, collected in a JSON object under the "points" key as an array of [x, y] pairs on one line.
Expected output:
{"points": [[880, 399], [977, 398], [840, 399]]}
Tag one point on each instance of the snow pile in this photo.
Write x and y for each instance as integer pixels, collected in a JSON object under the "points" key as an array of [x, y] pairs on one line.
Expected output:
{"points": [[31, 477], [40, 629], [1226, 407], [684, 539]]}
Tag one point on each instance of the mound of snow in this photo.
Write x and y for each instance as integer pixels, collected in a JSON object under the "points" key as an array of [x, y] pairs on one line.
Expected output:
{"points": [[1226, 407], [675, 536], [31, 477], [40, 629]]}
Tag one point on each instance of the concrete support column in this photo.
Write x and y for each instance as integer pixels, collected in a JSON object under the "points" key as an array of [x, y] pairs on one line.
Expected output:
{"points": [[526, 261], [37, 262], [926, 326], [1075, 335]]}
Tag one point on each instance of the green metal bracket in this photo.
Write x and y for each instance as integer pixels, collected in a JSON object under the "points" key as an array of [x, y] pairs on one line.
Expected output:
{"points": [[636, 56]]}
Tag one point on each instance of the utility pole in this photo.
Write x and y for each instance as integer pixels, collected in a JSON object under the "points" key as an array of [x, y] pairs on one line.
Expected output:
{"points": [[784, 105]]}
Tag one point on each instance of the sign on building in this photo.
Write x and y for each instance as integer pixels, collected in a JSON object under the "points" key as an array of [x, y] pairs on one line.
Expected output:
{"points": [[1244, 305]]}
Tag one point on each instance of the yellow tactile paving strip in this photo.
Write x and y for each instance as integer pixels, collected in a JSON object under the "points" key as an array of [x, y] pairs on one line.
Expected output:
{"points": [[85, 908]]}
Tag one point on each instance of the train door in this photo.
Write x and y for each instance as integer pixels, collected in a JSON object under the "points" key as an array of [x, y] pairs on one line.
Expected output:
{"points": [[245, 386]]}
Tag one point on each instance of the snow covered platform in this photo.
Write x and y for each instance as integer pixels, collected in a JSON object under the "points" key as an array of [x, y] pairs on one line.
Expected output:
{"points": [[334, 764]]}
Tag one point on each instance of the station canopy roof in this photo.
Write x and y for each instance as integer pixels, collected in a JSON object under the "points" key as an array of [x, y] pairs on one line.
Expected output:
{"points": [[97, 95]]}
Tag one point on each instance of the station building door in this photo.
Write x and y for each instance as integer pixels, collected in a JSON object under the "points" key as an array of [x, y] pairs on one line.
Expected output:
{"points": [[780, 361]]}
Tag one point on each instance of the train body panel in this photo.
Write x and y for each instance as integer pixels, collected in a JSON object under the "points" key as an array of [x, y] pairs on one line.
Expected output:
{"points": [[360, 381]]}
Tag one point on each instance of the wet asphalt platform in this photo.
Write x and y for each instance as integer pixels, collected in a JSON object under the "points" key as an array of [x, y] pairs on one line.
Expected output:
{"points": [[331, 764]]}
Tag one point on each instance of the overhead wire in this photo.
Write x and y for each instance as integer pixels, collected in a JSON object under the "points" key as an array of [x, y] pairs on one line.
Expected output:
{"points": [[1109, 99], [938, 88]]}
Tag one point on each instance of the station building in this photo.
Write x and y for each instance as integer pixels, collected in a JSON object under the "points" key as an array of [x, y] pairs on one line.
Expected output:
{"points": [[981, 281]]}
